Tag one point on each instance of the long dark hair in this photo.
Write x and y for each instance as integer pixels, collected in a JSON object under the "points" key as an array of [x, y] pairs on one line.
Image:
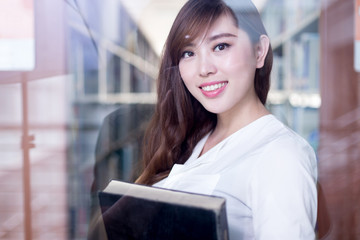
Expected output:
{"points": [[180, 121]]}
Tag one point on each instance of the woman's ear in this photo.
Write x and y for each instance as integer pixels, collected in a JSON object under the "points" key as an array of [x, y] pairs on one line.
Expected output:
{"points": [[261, 50]]}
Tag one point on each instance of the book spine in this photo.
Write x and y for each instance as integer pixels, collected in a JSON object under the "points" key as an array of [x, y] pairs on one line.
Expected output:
{"points": [[223, 231]]}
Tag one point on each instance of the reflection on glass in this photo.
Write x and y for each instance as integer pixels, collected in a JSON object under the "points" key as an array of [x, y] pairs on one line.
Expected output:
{"points": [[90, 99]]}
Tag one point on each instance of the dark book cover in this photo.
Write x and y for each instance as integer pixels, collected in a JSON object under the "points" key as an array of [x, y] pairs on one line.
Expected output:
{"points": [[132, 211]]}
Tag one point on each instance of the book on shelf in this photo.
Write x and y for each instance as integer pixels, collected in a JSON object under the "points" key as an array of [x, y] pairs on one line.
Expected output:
{"points": [[133, 211], [304, 62]]}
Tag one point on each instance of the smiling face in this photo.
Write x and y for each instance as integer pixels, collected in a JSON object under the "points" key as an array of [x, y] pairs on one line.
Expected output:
{"points": [[218, 68]]}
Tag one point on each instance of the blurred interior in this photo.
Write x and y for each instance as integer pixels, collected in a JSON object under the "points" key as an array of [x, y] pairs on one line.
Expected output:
{"points": [[77, 87]]}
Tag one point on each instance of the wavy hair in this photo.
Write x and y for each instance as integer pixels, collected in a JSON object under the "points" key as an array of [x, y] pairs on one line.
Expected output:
{"points": [[180, 121]]}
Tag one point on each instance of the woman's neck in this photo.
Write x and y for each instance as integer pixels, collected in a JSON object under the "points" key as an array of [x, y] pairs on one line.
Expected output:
{"points": [[232, 121]]}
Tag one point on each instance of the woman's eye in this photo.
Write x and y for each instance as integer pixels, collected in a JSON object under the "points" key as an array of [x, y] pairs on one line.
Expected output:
{"points": [[187, 54], [221, 47]]}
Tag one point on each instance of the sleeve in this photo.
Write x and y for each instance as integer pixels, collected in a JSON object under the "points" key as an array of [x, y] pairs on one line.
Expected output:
{"points": [[283, 192]]}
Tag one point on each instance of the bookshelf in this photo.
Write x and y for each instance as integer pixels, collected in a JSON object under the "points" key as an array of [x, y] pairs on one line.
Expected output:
{"points": [[294, 95]]}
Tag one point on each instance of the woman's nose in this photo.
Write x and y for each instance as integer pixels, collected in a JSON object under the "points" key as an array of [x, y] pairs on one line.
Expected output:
{"points": [[207, 66]]}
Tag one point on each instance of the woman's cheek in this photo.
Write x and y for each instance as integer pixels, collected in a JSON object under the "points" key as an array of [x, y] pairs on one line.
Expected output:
{"points": [[184, 73]]}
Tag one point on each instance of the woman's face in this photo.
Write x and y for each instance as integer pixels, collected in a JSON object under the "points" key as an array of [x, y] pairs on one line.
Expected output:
{"points": [[219, 68]]}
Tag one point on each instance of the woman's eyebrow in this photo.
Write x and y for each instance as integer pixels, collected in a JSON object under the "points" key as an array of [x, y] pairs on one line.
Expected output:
{"points": [[213, 38], [189, 45], [221, 35]]}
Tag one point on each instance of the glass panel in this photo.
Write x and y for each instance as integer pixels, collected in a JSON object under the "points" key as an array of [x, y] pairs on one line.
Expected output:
{"points": [[92, 92]]}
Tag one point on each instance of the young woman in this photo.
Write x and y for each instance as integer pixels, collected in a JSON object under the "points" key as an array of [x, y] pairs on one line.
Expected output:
{"points": [[211, 133]]}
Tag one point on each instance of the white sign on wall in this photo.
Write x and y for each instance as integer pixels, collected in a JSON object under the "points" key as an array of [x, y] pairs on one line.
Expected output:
{"points": [[17, 42]]}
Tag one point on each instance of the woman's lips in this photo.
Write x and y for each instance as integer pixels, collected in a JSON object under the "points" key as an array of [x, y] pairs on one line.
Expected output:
{"points": [[213, 89]]}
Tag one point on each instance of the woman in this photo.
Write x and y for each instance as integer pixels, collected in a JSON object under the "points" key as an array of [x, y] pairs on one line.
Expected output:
{"points": [[211, 133]]}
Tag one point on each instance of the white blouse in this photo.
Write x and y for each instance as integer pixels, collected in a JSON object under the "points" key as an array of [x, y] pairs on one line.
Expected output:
{"points": [[267, 174]]}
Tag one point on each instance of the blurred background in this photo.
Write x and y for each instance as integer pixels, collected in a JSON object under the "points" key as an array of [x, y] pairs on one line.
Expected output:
{"points": [[77, 87]]}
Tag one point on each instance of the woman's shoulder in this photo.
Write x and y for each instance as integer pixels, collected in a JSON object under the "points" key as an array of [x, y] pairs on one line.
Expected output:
{"points": [[284, 146], [282, 136], [286, 160], [269, 136]]}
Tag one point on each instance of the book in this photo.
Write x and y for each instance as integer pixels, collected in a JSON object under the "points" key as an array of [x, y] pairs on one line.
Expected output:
{"points": [[138, 212]]}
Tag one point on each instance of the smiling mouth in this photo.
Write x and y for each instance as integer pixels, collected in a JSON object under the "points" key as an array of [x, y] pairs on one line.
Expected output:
{"points": [[213, 87]]}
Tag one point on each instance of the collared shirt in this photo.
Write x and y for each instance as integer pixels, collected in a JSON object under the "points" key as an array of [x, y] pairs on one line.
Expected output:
{"points": [[267, 174]]}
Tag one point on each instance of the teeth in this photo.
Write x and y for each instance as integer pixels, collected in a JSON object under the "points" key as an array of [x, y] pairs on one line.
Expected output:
{"points": [[213, 87]]}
